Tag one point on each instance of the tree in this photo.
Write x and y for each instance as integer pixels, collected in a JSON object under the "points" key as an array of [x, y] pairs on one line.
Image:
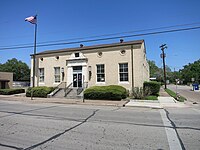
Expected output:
{"points": [[153, 68], [155, 71], [21, 71], [192, 70]]}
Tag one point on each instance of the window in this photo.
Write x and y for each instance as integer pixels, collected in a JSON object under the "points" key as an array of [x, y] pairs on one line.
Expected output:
{"points": [[57, 74], [100, 73], [76, 54], [123, 72], [57, 57], [41, 74], [99, 54]]}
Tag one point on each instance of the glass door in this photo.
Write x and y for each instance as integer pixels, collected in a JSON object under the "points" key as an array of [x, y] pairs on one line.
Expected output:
{"points": [[77, 76]]}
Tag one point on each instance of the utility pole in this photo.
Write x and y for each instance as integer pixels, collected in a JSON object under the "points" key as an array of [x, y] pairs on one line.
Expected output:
{"points": [[163, 55]]}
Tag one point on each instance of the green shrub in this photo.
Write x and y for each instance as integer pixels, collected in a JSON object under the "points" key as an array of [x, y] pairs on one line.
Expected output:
{"points": [[41, 91], [153, 87], [112, 92], [138, 93], [11, 91]]}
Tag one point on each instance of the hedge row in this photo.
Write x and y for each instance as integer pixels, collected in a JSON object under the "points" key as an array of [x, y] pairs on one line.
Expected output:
{"points": [[153, 87], [41, 91], [11, 91], [112, 92]]}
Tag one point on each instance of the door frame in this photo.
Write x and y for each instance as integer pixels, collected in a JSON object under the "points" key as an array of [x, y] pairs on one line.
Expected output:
{"points": [[77, 71]]}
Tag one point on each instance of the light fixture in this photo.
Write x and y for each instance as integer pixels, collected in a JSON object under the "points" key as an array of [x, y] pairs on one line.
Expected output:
{"points": [[62, 70], [90, 72], [89, 68]]}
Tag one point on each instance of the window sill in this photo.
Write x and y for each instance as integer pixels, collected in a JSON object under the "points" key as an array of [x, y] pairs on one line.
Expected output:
{"points": [[41, 83], [56, 83], [124, 82], [100, 82]]}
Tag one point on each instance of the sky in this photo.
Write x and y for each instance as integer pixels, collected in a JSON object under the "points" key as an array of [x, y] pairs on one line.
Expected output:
{"points": [[70, 20]]}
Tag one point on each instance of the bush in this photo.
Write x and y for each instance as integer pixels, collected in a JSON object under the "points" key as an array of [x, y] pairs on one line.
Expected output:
{"points": [[41, 91], [153, 87], [11, 91], [112, 92], [138, 93]]}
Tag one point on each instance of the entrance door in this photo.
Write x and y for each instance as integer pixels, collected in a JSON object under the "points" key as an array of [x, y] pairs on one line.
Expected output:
{"points": [[77, 79], [77, 76]]}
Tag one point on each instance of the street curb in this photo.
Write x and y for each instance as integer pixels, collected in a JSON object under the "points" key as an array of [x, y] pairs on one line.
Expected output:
{"points": [[65, 101], [152, 107]]}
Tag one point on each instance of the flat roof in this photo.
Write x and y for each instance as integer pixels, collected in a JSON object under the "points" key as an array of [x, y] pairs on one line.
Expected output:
{"points": [[91, 47]]}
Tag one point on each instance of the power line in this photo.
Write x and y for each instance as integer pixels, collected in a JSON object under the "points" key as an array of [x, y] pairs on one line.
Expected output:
{"points": [[103, 39], [128, 32], [107, 35], [112, 34]]}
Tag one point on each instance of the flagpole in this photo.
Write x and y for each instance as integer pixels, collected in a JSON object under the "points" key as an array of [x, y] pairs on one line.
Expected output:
{"points": [[35, 41]]}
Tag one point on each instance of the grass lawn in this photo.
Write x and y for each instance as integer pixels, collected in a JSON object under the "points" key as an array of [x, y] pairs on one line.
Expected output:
{"points": [[151, 97]]}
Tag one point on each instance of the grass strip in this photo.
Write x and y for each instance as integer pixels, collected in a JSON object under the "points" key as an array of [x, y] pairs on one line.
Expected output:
{"points": [[177, 97], [151, 97]]}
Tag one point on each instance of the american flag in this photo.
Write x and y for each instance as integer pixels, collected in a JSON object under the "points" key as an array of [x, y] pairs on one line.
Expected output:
{"points": [[32, 19]]}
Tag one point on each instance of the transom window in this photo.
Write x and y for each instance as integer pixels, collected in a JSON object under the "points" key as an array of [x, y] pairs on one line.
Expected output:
{"points": [[41, 74], [100, 73], [123, 72], [57, 74]]}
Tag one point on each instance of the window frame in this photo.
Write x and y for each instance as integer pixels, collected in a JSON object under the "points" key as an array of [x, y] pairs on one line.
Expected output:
{"points": [[77, 55], [41, 75], [57, 75], [100, 73], [123, 74]]}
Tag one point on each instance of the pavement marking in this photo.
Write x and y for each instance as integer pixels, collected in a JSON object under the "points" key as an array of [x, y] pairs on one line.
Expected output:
{"points": [[172, 137]]}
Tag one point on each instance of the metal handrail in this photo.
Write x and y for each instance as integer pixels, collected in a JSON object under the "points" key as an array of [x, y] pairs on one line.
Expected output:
{"points": [[81, 89], [68, 89], [69, 85], [57, 88]]}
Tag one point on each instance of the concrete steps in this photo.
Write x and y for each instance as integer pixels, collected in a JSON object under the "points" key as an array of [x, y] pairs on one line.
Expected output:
{"points": [[69, 94], [73, 94]]}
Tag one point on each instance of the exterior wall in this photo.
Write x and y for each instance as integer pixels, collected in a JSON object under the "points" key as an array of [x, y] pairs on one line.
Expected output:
{"points": [[48, 63], [141, 67], [111, 57], [8, 77], [135, 55]]}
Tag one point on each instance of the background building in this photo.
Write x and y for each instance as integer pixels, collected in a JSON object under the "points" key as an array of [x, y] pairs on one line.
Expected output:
{"points": [[6, 80]]}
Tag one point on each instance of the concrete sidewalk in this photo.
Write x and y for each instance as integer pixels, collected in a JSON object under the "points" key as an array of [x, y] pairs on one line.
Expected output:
{"points": [[164, 100], [64, 101]]}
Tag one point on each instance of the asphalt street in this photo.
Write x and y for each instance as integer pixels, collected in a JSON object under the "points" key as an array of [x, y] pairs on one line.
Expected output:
{"points": [[186, 91], [49, 126]]}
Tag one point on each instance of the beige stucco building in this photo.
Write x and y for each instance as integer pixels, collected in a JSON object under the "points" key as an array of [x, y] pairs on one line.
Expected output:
{"points": [[6, 80], [122, 63]]}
